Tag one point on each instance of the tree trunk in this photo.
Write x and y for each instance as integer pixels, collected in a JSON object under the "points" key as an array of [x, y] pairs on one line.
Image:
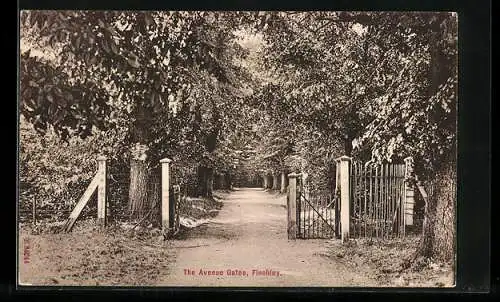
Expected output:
{"points": [[202, 181], [269, 182], [229, 181], [223, 181], [426, 244], [140, 203], [218, 181], [438, 237], [205, 181], [138, 188], [348, 145], [275, 182], [210, 182], [332, 177], [283, 182]]}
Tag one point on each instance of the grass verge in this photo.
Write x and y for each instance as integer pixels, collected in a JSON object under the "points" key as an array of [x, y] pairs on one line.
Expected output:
{"points": [[385, 261], [90, 257]]}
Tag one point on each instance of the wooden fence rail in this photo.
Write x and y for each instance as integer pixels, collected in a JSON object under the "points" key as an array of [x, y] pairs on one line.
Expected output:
{"points": [[98, 183], [169, 208]]}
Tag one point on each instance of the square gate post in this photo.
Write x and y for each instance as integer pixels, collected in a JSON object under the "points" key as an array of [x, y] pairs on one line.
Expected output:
{"points": [[345, 192], [409, 192], [292, 206], [165, 193], [101, 191]]}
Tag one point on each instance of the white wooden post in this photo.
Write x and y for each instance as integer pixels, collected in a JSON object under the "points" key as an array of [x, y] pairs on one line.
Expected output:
{"points": [[283, 182], [93, 186], [409, 192], [345, 192], [101, 192], [292, 206], [165, 193]]}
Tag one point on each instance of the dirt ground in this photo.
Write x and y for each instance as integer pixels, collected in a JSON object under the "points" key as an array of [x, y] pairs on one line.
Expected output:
{"points": [[244, 245], [249, 235], [89, 257]]}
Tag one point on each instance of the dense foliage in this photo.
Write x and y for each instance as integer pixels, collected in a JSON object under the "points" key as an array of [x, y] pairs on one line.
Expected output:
{"points": [[383, 84], [54, 173], [169, 81], [240, 93]]}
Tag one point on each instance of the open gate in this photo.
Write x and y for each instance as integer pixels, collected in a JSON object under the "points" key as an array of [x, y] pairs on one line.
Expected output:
{"points": [[375, 200], [318, 214]]}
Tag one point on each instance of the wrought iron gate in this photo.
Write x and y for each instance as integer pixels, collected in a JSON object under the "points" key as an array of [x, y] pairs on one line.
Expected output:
{"points": [[377, 200], [318, 214]]}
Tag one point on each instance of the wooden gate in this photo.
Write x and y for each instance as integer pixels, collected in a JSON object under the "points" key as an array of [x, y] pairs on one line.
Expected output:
{"points": [[377, 200], [317, 213]]}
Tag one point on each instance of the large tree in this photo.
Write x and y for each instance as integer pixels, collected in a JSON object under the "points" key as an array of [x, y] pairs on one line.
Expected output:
{"points": [[384, 85], [417, 115], [147, 72]]}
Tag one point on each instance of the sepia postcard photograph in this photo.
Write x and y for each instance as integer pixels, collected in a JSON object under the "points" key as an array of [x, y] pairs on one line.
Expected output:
{"points": [[237, 148]]}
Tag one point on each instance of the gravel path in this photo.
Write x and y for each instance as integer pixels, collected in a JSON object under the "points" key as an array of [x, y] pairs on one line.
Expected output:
{"points": [[249, 239]]}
